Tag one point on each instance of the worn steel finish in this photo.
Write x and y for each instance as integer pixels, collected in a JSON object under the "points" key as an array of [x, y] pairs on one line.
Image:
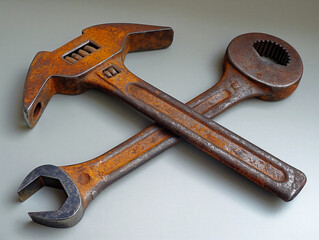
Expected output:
{"points": [[247, 74], [72, 209]]}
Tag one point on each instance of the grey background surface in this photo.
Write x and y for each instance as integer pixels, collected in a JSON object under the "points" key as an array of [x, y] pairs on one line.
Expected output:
{"points": [[183, 193]]}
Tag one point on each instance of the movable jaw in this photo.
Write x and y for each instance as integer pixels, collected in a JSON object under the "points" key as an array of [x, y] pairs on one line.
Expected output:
{"points": [[70, 213], [63, 70]]}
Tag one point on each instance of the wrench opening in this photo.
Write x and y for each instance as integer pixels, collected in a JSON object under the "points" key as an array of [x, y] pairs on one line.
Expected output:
{"points": [[71, 211], [272, 51], [37, 110]]}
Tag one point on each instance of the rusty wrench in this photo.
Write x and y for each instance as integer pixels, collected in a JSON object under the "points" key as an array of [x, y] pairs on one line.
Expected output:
{"points": [[246, 75]]}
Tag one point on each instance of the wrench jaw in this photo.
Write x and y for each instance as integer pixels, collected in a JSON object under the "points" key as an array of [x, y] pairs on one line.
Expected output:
{"points": [[67, 216], [141, 37], [158, 38], [70, 213]]}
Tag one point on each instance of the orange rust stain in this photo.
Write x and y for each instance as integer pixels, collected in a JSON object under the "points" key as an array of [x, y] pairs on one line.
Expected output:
{"points": [[94, 171]]}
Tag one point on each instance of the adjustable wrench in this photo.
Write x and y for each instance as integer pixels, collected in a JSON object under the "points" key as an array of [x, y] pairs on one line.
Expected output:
{"points": [[247, 74]]}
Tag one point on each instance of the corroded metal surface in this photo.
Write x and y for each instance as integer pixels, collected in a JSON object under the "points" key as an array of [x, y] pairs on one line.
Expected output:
{"points": [[72, 209], [247, 74]]}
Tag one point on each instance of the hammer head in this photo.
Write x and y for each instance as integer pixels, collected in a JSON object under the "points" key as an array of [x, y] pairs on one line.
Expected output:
{"points": [[61, 70], [70, 213]]}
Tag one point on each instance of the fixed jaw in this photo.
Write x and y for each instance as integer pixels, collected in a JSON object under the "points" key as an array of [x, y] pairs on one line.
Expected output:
{"points": [[61, 70], [70, 213]]}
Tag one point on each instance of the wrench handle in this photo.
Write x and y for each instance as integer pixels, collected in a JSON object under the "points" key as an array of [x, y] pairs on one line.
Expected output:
{"points": [[224, 145], [93, 176]]}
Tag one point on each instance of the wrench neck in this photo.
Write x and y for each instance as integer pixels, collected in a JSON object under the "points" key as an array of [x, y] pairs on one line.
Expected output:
{"points": [[231, 89]]}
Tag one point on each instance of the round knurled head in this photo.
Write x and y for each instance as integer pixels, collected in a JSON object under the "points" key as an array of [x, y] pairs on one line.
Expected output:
{"points": [[267, 60]]}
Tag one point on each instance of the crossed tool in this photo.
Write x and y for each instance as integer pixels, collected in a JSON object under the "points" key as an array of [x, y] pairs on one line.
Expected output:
{"points": [[255, 65]]}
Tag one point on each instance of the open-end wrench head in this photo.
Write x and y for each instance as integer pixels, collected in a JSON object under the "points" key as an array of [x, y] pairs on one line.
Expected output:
{"points": [[270, 62], [70, 213], [60, 71]]}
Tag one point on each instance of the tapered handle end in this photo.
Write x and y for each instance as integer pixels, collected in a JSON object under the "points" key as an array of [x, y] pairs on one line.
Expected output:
{"points": [[293, 186]]}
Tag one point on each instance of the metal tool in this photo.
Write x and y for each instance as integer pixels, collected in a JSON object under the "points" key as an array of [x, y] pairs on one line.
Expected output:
{"points": [[247, 74]]}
